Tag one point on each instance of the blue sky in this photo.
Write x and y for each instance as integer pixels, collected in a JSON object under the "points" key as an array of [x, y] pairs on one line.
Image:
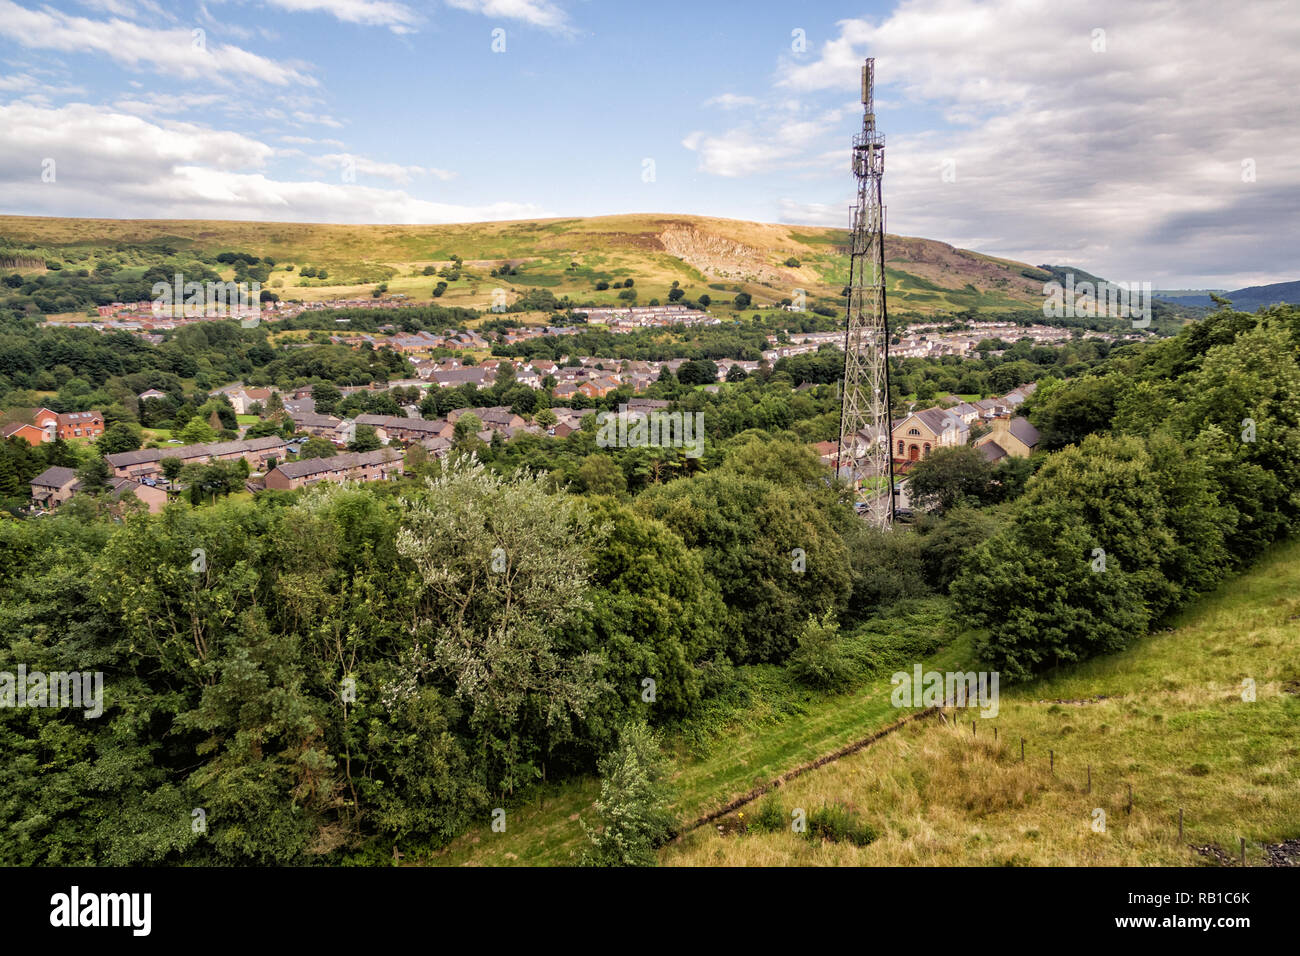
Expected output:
{"points": [[1034, 129]]}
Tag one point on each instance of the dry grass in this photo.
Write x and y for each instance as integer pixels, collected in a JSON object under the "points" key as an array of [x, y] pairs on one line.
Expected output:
{"points": [[929, 275], [1172, 724]]}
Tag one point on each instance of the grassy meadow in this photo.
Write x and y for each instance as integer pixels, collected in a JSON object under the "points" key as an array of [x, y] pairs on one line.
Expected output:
{"points": [[717, 257], [1166, 717]]}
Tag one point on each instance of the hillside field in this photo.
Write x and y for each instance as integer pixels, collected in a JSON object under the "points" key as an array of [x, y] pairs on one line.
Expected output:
{"points": [[717, 257], [1166, 717]]}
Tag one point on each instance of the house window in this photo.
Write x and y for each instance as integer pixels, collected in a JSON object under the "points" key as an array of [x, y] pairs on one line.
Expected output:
{"points": [[914, 431], [927, 448], [901, 448]]}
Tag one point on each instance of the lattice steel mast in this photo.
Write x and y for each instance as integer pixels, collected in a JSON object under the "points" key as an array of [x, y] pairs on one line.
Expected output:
{"points": [[865, 455]]}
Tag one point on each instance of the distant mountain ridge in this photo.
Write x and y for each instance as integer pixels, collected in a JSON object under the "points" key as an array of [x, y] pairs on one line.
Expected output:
{"points": [[1248, 299]]}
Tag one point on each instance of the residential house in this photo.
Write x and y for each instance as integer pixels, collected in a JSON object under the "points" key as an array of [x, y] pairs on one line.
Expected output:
{"points": [[382, 464], [1014, 437], [337, 430], [147, 462], [915, 436], [401, 428], [154, 498], [54, 486], [65, 425], [494, 418], [455, 377], [568, 421], [1016, 397], [29, 433], [295, 405], [245, 398], [437, 446]]}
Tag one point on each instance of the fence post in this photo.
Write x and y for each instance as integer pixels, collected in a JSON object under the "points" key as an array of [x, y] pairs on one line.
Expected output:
{"points": [[1180, 824], [1051, 757], [1243, 851], [1129, 808], [1090, 778], [1022, 749]]}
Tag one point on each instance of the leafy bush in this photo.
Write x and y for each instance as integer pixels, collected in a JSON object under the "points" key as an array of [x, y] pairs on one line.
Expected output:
{"points": [[819, 660], [770, 817], [839, 824]]}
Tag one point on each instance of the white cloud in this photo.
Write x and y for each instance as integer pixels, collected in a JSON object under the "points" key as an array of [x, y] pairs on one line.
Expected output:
{"points": [[538, 13], [781, 138], [320, 119], [175, 52], [309, 141], [393, 172], [17, 81], [161, 104], [111, 164], [730, 101], [398, 17], [1127, 161]]}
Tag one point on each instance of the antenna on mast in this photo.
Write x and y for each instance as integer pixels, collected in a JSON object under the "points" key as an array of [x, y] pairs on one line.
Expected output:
{"points": [[865, 457]]}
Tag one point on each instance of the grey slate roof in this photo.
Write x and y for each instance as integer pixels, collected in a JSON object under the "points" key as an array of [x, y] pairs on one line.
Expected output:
{"points": [[144, 456], [55, 476], [1022, 429], [344, 462]]}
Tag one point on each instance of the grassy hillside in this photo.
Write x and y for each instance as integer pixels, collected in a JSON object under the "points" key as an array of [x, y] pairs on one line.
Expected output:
{"points": [[1165, 717], [719, 257], [766, 727]]}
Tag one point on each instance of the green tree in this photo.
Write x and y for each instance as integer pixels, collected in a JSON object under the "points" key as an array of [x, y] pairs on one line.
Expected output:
{"points": [[632, 815], [317, 447], [503, 563], [117, 438], [94, 474], [466, 432], [777, 560], [365, 439], [949, 476], [599, 475], [196, 432]]}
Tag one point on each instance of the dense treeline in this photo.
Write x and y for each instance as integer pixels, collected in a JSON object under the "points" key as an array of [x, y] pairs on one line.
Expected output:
{"points": [[494, 629], [1179, 462], [331, 674], [78, 363]]}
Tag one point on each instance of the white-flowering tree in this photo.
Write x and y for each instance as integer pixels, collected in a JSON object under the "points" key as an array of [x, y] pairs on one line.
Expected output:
{"points": [[503, 564]]}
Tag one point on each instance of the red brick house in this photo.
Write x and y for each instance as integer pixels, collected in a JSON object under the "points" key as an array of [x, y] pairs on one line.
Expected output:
{"points": [[29, 433], [65, 425]]}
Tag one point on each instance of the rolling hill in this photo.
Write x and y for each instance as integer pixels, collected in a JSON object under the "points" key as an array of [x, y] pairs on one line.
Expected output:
{"points": [[718, 257], [1248, 299]]}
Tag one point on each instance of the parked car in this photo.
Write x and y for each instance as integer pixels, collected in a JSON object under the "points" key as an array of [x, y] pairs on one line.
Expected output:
{"points": [[904, 514]]}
